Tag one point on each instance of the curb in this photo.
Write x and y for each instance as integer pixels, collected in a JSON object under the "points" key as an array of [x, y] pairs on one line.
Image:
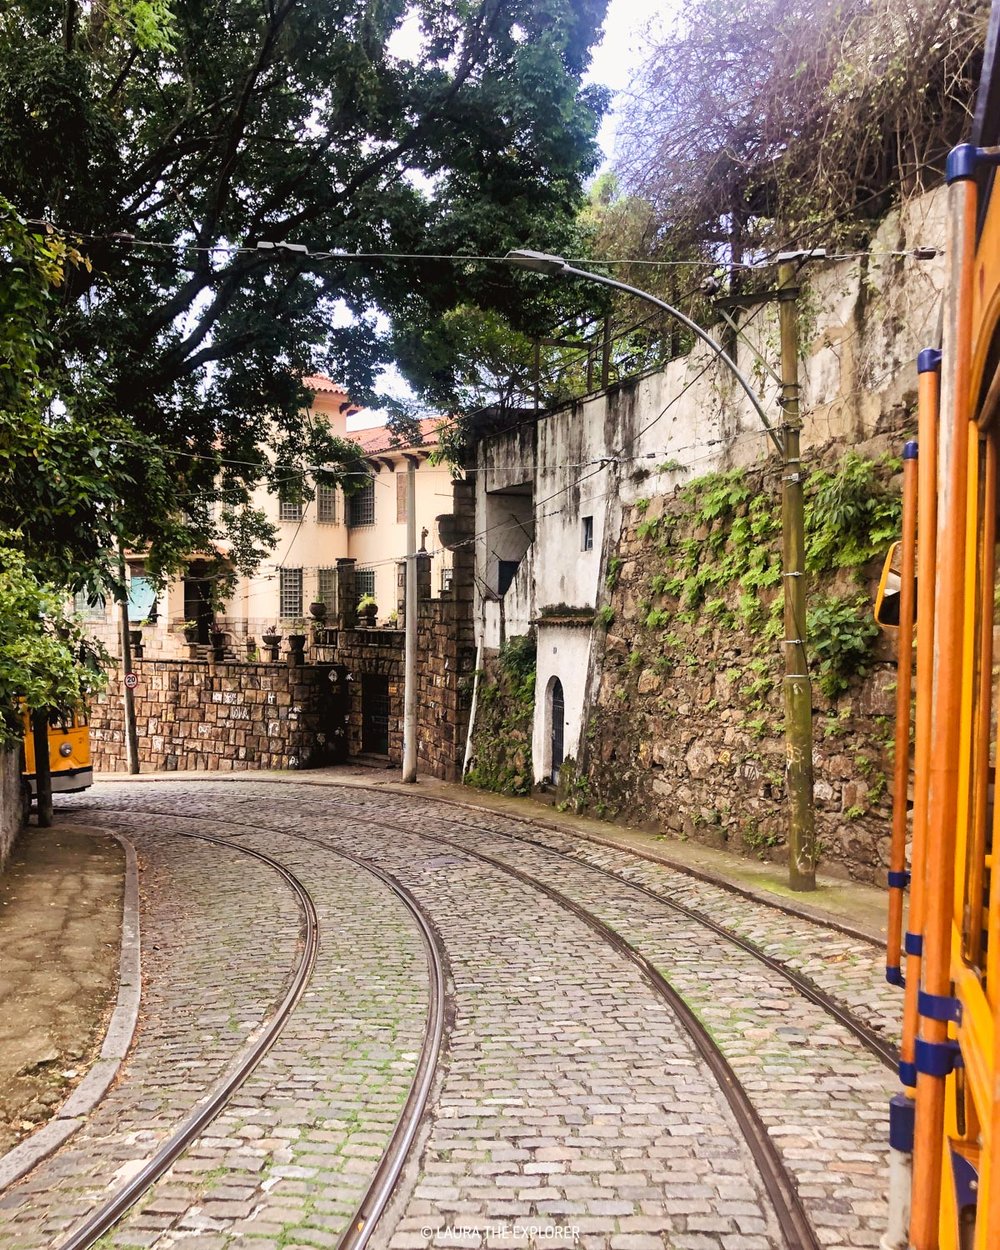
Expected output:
{"points": [[18, 1161]]}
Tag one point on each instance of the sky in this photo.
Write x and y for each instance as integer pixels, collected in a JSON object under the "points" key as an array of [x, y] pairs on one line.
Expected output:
{"points": [[622, 51], [614, 64]]}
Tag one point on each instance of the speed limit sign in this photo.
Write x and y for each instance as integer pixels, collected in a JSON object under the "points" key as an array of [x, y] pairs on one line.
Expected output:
{"points": [[131, 680]]}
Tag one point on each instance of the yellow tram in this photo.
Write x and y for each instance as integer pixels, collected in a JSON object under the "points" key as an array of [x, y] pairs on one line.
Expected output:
{"points": [[945, 955], [69, 755]]}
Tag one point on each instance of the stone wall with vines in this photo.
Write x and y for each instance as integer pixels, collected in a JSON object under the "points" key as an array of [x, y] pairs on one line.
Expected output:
{"points": [[687, 720], [501, 758]]}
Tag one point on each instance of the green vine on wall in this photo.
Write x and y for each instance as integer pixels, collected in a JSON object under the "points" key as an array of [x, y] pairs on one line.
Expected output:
{"points": [[721, 558], [502, 736]]}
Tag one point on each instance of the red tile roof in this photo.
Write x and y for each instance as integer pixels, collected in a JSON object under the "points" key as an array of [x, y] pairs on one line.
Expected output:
{"points": [[380, 438], [320, 382]]}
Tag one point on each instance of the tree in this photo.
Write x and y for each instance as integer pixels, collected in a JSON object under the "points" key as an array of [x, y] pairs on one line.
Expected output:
{"points": [[162, 133], [759, 124]]}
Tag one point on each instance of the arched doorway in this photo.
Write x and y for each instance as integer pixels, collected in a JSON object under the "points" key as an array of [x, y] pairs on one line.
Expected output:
{"points": [[557, 728]]}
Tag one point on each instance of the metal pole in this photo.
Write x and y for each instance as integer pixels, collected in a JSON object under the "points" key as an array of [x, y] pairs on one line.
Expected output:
{"points": [[43, 771], [131, 737], [410, 653], [797, 688]]}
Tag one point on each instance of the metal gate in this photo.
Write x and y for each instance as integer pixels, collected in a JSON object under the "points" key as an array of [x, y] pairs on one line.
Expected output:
{"points": [[375, 714], [558, 727]]}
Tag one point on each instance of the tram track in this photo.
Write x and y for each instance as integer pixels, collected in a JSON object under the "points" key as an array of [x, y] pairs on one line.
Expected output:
{"points": [[379, 1191], [868, 1037], [796, 1229]]}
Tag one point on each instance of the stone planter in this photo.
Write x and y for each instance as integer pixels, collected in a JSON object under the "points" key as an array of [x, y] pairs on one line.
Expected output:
{"points": [[273, 643], [317, 611], [218, 644], [296, 648]]}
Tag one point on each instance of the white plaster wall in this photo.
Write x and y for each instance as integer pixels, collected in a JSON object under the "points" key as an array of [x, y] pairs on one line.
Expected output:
{"points": [[862, 323], [563, 652]]}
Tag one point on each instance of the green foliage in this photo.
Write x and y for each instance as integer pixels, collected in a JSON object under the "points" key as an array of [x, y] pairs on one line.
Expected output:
{"points": [[502, 736], [605, 616], [46, 664], [202, 126], [841, 631], [850, 514], [657, 618], [613, 573]]}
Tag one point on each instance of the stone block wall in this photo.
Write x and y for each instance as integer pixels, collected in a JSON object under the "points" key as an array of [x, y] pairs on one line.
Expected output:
{"points": [[685, 724], [198, 714], [10, 802]]}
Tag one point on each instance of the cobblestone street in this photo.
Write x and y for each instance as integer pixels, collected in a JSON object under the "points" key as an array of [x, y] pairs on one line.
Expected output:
{"points": [[569, 1102]]}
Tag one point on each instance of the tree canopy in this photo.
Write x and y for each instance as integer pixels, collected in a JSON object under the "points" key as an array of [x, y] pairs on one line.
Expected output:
{"points": [[762, 124], [170, 139]]}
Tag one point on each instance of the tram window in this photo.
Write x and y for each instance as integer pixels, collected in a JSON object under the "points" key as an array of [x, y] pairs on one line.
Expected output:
{"points": [[888, 597]]}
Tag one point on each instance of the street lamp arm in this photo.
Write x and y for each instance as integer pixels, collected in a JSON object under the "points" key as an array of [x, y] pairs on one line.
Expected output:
{"points": [[542, 263]]}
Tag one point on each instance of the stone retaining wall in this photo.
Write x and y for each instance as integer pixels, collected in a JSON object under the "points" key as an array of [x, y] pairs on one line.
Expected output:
{"points": [[225, 716], [10, 802]]}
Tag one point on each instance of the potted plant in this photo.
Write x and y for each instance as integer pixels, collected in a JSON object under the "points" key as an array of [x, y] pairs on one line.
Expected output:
{"points": [[190, 632], [317, 609], [297, 641], [368, 609], [271, 638]]}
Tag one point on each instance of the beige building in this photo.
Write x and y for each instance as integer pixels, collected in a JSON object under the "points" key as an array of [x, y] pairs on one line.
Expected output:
{"points": [[367, 526]]}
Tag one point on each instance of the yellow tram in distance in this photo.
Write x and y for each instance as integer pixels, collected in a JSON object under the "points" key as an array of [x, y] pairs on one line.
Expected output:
{"points": [[69, 755], [945, 954]]}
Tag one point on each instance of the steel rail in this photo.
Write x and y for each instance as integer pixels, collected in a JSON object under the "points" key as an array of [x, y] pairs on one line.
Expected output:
{"points": [[379, 1191], [808, 988], [822, 922], [878, 1046], [107, 1215], [796, 1229], [789, 1210]]}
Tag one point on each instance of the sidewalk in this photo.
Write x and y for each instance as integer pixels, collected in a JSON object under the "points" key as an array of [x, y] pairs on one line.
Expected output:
{"points": [[852, 904], [60, 931]]}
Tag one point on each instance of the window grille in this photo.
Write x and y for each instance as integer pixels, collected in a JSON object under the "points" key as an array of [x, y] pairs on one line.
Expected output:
{"points": [[361, 506], [290, 595], [89, 609], [290, 510], [364, 582], [326, 584], [447, 576], [326, 503]]}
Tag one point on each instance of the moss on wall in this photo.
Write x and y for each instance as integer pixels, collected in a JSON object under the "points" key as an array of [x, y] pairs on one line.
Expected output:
{"points": [[501, 742]]}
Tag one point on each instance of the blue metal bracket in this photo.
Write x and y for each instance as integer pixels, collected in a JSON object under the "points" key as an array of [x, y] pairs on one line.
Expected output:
{"points": [[913, 943], [962, 161], [937, 1058], [939, 1007], [894, 974], [929, 360], [908, 1074], [909, 453], [966, 1180], [901, 1117], [900, 880]]}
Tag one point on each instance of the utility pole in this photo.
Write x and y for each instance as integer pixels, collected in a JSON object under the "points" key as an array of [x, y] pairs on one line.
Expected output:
{"points": [[410, 651], [43, 772], [131, 737], [797, 687]]}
